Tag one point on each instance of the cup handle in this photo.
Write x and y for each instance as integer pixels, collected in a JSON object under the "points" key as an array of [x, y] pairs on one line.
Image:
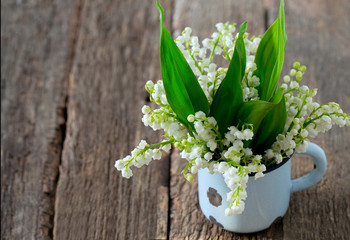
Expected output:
{"points": [[315, 176]]}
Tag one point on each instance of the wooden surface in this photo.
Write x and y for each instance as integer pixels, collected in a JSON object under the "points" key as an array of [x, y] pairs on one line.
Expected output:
{"points": [[72, 77]]}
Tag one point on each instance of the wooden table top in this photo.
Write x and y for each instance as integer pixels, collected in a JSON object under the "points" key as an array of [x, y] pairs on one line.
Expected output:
{"points": [[72, 88]]}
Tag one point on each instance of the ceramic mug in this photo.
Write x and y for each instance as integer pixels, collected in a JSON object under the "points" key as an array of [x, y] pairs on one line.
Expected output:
{"points": [[268, 197]]}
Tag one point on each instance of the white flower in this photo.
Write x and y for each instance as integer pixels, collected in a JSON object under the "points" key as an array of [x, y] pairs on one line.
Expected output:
{"points": [[248, 151], [233, 154], [146, 109], [202, 53], [127, 173], [278, 158], [222, 167], [269, 153], [185, 155], [200, 162], [212, 121], [232, 171], [119, 164], [311, 129], [215, 36], [294, 132], [220, 26], [145, 120], [212, 145], [208, 156], [180, 40], [149, 84], [231, 196], [156, 154], [247, 134], [194, 169], [304, 133], [261, 169], [235, 209], [289, 152], [253, 81], [142, 144], [195, 152], [255, 44], [207, 43], [294, 84], [166, 147], [259, 175], [340, 121], [302, 147], [229, 212], [199, 114], [218, 50]]}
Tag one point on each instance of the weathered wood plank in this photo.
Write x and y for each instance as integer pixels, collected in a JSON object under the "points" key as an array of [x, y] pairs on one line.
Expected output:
{"points": [[35, 53], [117, 52], [317, 37]]}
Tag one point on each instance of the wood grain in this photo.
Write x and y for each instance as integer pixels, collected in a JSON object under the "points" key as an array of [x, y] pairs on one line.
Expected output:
{"points": [[116, 53], [35, 53]]}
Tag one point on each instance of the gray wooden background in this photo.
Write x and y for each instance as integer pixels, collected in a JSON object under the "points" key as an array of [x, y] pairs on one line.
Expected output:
{"points": [[72, 88]]}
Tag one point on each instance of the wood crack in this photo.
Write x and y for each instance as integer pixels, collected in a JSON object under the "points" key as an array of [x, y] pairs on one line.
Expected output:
{"points": [[63, 112], [266, 18], [169, 194]]}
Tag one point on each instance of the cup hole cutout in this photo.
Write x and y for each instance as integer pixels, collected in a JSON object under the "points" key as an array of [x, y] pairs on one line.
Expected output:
{"points": [[214, 197]]}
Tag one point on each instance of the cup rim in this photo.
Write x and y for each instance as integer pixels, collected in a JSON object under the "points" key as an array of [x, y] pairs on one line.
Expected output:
{"points": [[274, 166]]}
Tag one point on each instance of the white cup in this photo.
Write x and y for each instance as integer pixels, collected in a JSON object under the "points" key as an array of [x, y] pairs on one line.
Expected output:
{"points": [[268, 197]]}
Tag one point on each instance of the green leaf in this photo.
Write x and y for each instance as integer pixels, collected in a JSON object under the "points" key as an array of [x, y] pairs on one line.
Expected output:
{"points": [[253, 112], [272, 125], [183, 92], [270, 56], [267, 119], [229, 97]]}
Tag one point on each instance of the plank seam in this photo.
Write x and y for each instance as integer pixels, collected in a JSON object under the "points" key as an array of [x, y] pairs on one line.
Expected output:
{"points": [[172, 30], [74, 37], [169, 195]]}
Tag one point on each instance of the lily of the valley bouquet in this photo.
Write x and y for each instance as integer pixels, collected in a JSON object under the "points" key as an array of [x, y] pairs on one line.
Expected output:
{"points": [[234, 121]]}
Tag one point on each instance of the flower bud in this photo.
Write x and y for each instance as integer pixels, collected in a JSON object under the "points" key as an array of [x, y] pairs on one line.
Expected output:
{"points": [[296, 64], [189, 177], [293, 72], [190, 118]]}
